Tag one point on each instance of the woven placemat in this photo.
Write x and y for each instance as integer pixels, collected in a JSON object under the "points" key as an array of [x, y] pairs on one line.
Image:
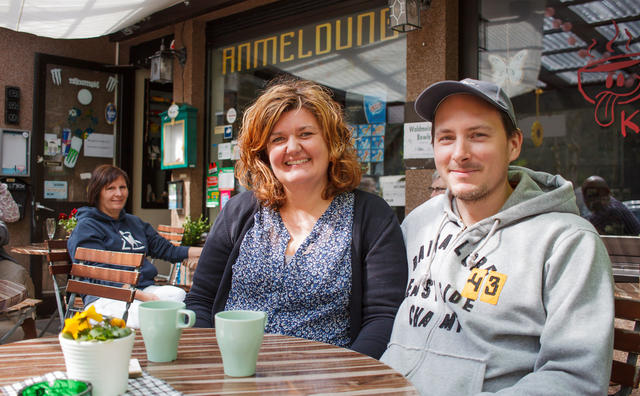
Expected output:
{"points": [[141, 386]]}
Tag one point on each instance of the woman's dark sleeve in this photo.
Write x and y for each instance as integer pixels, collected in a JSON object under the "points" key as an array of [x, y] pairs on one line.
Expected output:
{"points": [[384, 276], [211, 267]]}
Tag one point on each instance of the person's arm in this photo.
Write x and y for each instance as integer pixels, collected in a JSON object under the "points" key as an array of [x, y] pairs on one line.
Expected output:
{"points": [[195, 252], [631, 223], [215, 254], [142, 296], [384, 274], [576, 343], [9, 211], [4, 234]]}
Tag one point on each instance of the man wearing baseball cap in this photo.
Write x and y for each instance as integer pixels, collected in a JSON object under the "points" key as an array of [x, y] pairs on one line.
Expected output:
{"points": [[509, 290]]}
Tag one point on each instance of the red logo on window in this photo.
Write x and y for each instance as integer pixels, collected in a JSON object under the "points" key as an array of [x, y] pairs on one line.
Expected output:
{"points": [[619, 89]]}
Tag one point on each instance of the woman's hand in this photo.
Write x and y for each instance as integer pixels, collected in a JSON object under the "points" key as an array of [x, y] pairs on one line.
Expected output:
{"points": [[142, 296], [195, 251]]}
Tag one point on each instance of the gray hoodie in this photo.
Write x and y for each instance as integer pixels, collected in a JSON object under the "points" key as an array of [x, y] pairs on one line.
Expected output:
{"points": [[520, 303]]}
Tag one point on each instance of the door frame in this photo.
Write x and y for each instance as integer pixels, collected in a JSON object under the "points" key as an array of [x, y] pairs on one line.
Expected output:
{"points": [[123, 156]]}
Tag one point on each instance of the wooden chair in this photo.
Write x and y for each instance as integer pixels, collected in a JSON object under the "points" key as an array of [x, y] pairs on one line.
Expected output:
{"points": [[624, 252], [626, 374], [173, 234], [59, 264], [15, 305], [82, 275], [178, 272]]}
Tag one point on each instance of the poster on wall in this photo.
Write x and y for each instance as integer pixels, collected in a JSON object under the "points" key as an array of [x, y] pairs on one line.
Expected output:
{"points": [[99, 145], [417, 140], [393, 188], [226, 179], [55, 189], [213, 195], [15, 146]]}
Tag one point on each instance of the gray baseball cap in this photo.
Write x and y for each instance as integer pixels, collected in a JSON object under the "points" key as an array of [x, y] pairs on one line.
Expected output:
{"points": [[429, 100]]}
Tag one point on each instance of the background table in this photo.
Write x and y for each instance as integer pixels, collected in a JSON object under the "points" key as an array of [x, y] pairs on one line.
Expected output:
{"points": [[35, 267], [286, 365]]}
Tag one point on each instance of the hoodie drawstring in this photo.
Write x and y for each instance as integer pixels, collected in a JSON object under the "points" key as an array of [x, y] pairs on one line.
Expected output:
{"points": [[473, 256], [427, 274], [474, 253]]}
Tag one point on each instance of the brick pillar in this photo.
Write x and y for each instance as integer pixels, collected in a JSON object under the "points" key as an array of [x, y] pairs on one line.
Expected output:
{"points": [[189, 87], [432, 56]]}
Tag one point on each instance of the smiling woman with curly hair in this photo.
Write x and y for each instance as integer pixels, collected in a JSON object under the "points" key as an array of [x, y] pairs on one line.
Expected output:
{"points": [[324, 260], [254, 168]]}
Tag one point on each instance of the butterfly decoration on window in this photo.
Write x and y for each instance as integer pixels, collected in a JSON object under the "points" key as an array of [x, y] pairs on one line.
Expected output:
{"points": [[508, 72]]}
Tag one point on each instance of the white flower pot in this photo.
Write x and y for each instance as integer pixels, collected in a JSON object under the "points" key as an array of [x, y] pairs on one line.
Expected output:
{"points": [[103, 363]]}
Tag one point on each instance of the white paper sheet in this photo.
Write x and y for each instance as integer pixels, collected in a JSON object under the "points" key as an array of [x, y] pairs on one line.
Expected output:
{"points": [[417, 140], [393, 189], [99, 145], [224, 151]]}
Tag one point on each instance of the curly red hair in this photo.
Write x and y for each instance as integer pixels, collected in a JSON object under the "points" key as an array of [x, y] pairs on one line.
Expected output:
{"points": [[281, 96]]}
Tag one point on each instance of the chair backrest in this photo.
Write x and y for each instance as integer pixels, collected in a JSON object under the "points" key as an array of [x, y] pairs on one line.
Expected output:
{"points": [[173, 234], [624, 252], [83, 274], [58, 257], [626, 340]]}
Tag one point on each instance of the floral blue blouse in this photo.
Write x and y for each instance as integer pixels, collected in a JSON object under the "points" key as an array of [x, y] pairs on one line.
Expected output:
{"points": [[305, 295]]}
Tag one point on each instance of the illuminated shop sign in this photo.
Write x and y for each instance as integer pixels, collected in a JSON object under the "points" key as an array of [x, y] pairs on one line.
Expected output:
{"points": [[309, 41]]}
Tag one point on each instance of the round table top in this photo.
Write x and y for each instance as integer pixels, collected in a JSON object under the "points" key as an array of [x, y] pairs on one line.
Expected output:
{"points": [[286, 365]]}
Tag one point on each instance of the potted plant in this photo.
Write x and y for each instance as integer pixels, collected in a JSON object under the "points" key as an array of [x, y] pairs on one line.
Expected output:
{"points": [[195, 232], [97, 349], [68, 222]]}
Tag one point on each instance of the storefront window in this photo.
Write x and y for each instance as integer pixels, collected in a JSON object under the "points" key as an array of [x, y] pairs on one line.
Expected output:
{"points": [[356, 56], [572, 69]]}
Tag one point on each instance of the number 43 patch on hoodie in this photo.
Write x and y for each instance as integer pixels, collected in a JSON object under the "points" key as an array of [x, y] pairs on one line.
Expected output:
{"points": [[485, 284]]}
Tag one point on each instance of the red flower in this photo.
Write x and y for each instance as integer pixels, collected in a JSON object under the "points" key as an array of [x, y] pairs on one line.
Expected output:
{"points": [[73, 212], [62, 216]]}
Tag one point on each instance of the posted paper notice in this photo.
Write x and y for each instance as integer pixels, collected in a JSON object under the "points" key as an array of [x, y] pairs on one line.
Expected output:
{"points": [[393, 189], [417, 140], [98, 145]]}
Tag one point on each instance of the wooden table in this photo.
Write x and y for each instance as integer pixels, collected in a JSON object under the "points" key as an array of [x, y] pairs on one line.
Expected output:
{"points": [[35, 266], [286, 365]]}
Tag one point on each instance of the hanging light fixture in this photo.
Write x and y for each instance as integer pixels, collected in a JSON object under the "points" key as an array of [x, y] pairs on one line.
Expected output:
{"points": [[162, 63], [404, 15]]}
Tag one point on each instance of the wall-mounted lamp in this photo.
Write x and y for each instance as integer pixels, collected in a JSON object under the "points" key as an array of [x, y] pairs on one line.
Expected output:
{"points": [[404, 15], [162, 63]]}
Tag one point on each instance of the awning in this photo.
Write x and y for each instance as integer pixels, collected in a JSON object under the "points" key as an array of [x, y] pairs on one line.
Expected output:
{"points": [[75, 19]]}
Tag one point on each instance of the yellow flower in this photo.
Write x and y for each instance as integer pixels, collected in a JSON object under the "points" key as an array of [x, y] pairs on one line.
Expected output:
{"points": [[90, 313], [71, 326], [118, 322], [80, 321]]}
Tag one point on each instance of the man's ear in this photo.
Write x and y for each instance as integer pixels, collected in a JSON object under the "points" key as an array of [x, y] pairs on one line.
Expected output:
{"points": [[515, 144]]}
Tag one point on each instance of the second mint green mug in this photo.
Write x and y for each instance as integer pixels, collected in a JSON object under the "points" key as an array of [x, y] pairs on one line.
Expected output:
{"points": [[161, 324], [239, 335]]}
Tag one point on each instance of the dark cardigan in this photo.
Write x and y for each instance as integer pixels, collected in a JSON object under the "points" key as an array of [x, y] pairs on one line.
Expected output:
{"points": [[378, 260]]}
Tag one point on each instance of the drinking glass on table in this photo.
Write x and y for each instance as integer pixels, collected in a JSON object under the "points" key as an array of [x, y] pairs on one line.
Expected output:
{"points": [[51, 227]]}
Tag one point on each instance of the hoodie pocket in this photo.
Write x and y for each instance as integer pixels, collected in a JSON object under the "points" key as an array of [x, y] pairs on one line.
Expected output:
{"points": [[443, 374], [401, 359]]}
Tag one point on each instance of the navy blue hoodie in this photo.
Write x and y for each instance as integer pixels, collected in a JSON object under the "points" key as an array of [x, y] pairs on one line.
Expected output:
{"points": [[127, 233]]}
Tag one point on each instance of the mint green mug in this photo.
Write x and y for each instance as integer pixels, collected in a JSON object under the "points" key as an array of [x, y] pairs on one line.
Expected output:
{"points": [[239, 335], [161, 324]]}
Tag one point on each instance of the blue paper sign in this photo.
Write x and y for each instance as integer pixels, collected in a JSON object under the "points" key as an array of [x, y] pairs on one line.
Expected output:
{"points": [[228, 131]]}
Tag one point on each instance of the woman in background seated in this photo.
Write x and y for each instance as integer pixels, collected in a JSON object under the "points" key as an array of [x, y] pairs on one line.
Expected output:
{"points": [[325, 261], [105, 225]]}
